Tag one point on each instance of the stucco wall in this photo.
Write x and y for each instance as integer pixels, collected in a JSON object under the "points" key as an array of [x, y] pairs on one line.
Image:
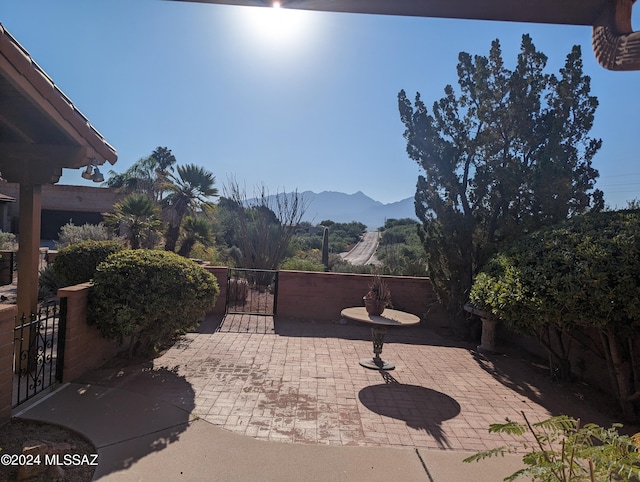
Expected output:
{"points": [[321, 296], [85, 349], [220, 272]]}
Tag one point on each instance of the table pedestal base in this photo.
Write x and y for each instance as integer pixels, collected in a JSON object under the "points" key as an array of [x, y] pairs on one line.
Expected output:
{"points": [[377, 363]]}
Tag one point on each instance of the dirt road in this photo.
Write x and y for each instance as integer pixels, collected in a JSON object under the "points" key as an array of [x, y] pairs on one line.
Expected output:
{"points": [[363, 252]]}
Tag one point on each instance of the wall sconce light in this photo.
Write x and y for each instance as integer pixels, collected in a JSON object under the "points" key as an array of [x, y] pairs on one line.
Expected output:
{"points": [[88, 173], [97, 175], [92, 173]]}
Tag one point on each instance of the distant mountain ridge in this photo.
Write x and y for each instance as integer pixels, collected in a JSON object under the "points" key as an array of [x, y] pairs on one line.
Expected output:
{"points": [[344, 208]]}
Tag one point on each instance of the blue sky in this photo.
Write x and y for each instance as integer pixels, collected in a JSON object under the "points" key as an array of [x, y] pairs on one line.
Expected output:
{"points": [[305, 100]]}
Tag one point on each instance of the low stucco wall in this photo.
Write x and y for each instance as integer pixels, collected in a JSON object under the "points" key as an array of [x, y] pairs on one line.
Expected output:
{"points": [[322, 296], [220, 272], [85, 349]]}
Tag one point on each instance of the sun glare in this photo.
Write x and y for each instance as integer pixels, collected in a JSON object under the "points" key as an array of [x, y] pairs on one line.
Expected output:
{"points": [[276, 25]]}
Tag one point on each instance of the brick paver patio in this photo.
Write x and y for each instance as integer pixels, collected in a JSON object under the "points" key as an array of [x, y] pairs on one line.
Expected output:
{"points": [[301, 383]]}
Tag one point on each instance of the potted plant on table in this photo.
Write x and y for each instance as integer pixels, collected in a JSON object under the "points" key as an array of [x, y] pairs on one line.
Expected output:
{"points": [[378, 297]]}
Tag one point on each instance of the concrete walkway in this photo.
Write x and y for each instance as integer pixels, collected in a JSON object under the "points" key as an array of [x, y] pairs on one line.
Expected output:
{"points": [[296, 405]]}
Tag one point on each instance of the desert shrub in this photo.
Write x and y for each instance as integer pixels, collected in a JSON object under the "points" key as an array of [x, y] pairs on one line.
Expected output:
{"points": [[49, 282], [147, 296], [343, 266], [72, 234], [7, 241], [77, 263], [238, 290], [210, 254], [302, 264]]}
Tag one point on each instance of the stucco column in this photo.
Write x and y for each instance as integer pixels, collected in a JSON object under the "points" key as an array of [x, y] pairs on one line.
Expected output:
{"points": [[488, 339], [29, 248]]}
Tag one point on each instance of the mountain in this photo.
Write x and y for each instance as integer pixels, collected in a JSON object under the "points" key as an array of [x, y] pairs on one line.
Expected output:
{"points": [[344, 208]]}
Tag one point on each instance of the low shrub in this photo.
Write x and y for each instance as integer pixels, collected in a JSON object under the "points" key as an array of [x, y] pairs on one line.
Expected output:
{"points": [[77, 263], [72, 234], [7, 241], [147, 296], [302, 264], [49, 282]]}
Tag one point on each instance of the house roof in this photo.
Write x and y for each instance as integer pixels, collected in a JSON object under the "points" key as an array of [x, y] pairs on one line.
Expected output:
{"points": [[41, 130], [574, 12], [615, 45]]}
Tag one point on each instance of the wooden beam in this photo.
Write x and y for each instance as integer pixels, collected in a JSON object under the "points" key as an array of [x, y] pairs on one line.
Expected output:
{"points": [[38, 164], [573, 12], [14, 124], [62, 156]]}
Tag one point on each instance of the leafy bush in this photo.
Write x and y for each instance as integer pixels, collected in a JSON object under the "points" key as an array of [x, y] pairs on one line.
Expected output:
{"points": [[302, 264], [148, 296], [72, 234], [7, 241], [565, 450], [583, 272], [77, 263]]}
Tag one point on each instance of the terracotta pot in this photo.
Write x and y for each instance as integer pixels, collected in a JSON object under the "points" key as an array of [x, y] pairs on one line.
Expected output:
{"points": [[374, 307]]}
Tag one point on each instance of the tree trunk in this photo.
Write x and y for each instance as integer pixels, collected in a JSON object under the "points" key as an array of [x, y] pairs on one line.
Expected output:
{"points": [[559, 363], [171, 237], [620, 371], [187, 246]]}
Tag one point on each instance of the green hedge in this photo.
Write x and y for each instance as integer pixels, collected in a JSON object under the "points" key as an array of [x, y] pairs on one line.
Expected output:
{"points": [[76, 263], [147, 296], [582, 273], [585, 270]]}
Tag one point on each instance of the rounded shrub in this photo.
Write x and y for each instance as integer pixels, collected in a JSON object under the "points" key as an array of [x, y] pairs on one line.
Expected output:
{"points": [[147, 296], [76, 263]]}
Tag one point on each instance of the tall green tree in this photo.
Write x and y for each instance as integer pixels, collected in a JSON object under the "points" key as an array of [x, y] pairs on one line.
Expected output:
{"points": [[189, 191], [509, 153], [148, 175]]}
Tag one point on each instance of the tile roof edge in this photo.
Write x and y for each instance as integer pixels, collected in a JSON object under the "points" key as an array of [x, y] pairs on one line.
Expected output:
{"points": [[74, 117]]}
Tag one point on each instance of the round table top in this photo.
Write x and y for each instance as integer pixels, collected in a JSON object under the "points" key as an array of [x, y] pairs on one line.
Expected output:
{"points": [[389, 317]]}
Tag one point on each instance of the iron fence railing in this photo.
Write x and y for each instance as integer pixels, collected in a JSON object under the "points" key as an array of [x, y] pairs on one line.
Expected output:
{"points": [[38, 351]]}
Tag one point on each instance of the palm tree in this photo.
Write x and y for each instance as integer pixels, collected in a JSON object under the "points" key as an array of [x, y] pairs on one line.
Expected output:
{"points": [[147, 175], [137, 218], [189, 192], [195, 230]]}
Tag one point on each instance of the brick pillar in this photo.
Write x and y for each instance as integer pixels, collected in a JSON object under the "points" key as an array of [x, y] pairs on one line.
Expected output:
{"points": [[84, 348], [220, 272], [7, 323]]}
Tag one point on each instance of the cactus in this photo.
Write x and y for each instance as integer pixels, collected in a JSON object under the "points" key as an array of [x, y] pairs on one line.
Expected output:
{"points": [[238, 290], [325, 248]]}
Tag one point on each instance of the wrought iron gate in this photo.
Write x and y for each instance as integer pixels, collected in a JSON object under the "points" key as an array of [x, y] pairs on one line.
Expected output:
{"points": [[38, 351], [252, 291]]}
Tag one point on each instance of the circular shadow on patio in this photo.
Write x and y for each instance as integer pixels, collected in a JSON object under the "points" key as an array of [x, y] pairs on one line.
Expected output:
{"points": [[421, 408]]}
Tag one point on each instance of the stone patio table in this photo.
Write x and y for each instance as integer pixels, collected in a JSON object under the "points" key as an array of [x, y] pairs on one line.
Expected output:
{"points": [[379, 324]]}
